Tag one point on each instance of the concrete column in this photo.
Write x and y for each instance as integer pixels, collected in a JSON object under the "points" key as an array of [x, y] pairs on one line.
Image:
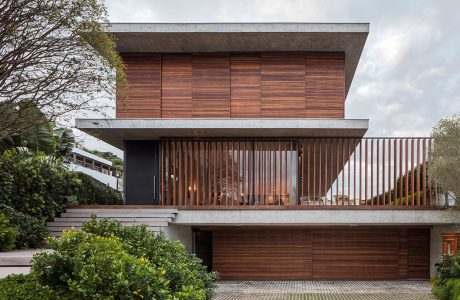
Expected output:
{"points": [[182, 233]]}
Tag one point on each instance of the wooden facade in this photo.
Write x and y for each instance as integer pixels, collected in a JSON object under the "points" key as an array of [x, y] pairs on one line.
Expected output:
{"points": [[234, 85], [329, 253], [297, 172]]}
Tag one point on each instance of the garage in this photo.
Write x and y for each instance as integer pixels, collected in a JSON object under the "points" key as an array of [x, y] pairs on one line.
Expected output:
{"points": [[305, 253]]}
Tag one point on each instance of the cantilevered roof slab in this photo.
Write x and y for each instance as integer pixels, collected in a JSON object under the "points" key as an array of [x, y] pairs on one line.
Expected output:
{"points": [[244, 37], [115, 131]]}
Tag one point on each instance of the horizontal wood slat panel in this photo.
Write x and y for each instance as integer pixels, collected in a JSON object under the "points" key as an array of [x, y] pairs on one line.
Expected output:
{"points": [[325, 85], [262, 253], [351, 253], [144, 84], [418, 244], [245, 86], [257, 85], [283, 85], [211, 86], [329, 253], [176, 86]]}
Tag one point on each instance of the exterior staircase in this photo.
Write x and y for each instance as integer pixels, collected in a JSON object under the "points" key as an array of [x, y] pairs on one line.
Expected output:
{"points": [[155, 219]]}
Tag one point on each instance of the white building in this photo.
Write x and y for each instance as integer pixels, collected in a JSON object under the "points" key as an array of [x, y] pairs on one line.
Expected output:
{"points": [[97, 167]]}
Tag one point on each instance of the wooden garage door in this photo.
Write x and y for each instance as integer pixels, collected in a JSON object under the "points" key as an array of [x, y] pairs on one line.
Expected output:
{"points": [[321, 253], [262, 253]]}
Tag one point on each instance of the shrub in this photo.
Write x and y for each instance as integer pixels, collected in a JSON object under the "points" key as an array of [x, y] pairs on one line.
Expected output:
{"points": [[24, 287], [91, 191], [31, 231], [448, 268], [449, 290], [8, 234], [40, 186], [187, 276], [87, 266], [447, 283]]}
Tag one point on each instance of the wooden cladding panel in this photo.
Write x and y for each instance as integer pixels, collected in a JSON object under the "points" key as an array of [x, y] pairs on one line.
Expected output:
{"points": [[329, 253], [262, 253], [176, 87], [144, 84], [283, 85], [258, 85], [352, 252], [245, 86], [325, 85], [211, 86], [418, 248]]}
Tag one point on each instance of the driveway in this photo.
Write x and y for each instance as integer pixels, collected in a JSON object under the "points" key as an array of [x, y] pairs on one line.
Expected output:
{"points": [[327, 290]]}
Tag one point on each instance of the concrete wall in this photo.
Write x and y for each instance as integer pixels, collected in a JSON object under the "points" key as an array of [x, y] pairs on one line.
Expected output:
{"points": [[182, 233]]}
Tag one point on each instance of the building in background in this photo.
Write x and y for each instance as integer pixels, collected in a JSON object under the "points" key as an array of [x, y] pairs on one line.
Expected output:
{"points": [[97, 167]]}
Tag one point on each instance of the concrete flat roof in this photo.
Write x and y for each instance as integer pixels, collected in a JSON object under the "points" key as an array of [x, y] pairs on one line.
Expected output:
{"points": [[115, 131], [244, 37]]}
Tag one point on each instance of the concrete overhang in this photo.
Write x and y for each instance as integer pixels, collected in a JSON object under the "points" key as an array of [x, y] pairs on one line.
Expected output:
{"points": [[115, 131], [317, 217], [244, 37]]}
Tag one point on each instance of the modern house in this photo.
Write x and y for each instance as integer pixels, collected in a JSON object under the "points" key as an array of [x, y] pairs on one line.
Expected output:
{"points": [[235, 136], [97, 167]]}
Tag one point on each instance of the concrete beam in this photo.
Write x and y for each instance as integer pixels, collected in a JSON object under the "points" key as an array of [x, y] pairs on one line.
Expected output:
{"points": [[115, 131], [345, 217]]}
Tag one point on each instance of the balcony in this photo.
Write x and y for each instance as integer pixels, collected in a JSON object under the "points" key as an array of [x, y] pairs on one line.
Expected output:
{"points": [[297, 173]]}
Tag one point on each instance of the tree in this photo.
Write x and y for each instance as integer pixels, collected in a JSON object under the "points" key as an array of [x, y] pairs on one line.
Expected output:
{"points": [[445, 162], [44, 137], [55, 56]]}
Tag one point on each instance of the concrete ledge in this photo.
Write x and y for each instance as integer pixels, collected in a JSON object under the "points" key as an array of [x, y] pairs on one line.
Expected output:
{"points": [[317, 217], [20, 258], [115, 131]]}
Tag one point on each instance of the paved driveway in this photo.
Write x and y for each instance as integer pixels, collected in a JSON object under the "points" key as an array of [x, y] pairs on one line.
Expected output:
{"points": [[327, 290]]}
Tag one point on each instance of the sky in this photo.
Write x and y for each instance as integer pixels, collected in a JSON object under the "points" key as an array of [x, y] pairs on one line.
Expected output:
{"points": [[409, 73]]}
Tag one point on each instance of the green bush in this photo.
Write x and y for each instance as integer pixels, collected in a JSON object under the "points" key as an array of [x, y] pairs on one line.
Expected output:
{"points": [[40, 187], [8, 234], [449, 290], [448, 268], [91, 191], [447, 283], [187, 276], [87, 266], [24, 287], [31, 231]]}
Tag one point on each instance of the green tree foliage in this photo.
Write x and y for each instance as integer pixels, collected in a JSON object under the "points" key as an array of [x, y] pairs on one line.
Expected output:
{"points": [[42, 187], [41, 137], [445, 162], [55, 56]]}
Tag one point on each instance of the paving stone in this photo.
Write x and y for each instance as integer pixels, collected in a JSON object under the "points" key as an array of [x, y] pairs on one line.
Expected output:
{"points": [[323, 290]]}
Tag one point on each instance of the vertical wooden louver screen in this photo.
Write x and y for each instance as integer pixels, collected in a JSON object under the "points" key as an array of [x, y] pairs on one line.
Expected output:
{"points": [[229, 172], [298, 172], [366, 172]]}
